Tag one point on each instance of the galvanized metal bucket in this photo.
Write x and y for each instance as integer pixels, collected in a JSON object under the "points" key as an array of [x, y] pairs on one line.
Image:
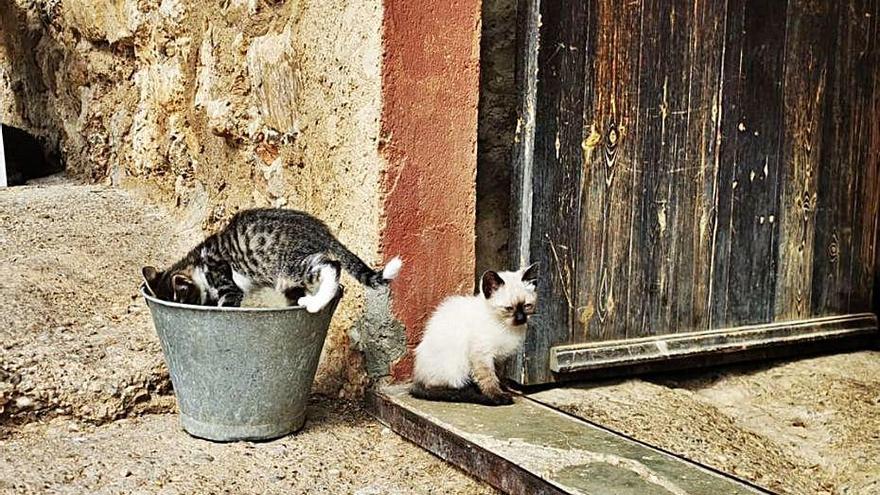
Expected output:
{"points": [[240, 373]]}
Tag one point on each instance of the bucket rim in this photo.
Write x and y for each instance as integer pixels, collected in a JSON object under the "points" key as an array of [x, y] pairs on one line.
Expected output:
{"points": [[227, 309]]}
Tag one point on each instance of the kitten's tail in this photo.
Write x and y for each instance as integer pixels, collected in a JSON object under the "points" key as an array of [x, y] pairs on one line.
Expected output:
{"points": [[468, 393], [363, 273]]}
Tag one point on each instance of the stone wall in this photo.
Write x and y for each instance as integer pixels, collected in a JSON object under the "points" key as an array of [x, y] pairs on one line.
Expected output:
{"points": [[213, 106]]}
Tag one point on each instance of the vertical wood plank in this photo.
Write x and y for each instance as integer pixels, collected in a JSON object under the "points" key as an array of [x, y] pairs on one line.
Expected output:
{"points": [[609, 159], [865, 153], [847, 180], [526, 70], [874, 152], [555, 179], [810, 27], [745, 258], [694, 225], [833, 238], [662, 214]]}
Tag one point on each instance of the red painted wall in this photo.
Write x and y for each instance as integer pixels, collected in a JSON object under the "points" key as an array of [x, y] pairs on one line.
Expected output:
{"points": [[429, 130]]}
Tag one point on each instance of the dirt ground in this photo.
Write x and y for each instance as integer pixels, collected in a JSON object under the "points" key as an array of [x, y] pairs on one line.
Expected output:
{"points": [[340, 450], [76, 341], [810, 426], [85, 400]]}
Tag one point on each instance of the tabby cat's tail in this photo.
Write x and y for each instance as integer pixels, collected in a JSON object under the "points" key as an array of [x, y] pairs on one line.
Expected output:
{"points": [[363, 273]]}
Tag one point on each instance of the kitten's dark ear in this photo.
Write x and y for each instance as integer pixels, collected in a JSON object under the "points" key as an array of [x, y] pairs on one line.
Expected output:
{"points": [[183, 287], [530, 274], [490, 282], [151, 277]]}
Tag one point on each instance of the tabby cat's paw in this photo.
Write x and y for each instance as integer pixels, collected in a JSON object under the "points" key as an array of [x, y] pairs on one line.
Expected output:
{"points": [[312, 304]]}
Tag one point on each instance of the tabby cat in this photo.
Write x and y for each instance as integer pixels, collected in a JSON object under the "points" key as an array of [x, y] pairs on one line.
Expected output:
{"points": [[289, 250]]}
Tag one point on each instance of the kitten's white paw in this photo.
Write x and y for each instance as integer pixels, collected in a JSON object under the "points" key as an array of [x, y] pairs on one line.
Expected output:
{"points": [[312, 304], [392, 268]]}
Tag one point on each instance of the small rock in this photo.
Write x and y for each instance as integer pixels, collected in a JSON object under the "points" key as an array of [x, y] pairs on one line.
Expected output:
{"points": [[203, 458], [24, 402], [124, 473]]}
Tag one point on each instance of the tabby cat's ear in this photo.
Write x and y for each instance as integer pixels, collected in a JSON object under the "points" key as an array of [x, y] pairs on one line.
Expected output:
{"points": [[490, 282], [183, 287], [530, 274], [151, 277]]}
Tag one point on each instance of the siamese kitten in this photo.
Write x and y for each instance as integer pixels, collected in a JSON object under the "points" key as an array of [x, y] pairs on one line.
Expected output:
{"points": [[289, 250], [467, 336]]}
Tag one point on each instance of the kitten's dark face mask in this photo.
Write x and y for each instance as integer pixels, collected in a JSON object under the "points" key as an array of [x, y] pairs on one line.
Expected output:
{"points": [[521, 312], [175, 287], [517, 303]]}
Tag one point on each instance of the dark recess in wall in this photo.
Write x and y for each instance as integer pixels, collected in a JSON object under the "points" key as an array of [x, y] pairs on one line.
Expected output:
{"points": [[31, 128], [28, 157], [497, 124]]}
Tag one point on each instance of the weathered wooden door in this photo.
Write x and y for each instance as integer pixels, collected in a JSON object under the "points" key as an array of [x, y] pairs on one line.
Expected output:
{"points": [[697, 178]]}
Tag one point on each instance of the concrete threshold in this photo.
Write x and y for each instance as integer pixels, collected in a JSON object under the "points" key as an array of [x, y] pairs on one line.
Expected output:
{"points": [[530, 448]]}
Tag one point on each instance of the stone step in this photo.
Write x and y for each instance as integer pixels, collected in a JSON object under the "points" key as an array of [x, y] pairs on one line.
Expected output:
{"points": [[530, 448]]}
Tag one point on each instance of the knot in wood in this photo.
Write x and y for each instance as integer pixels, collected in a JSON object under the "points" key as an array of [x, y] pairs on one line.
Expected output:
{"points": [[612, 135], [833, 249]]}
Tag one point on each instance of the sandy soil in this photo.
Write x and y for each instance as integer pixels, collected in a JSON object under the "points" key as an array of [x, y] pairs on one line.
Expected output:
{"points": [[76, 339], [810, 426], [85, 400], [340, 450]]}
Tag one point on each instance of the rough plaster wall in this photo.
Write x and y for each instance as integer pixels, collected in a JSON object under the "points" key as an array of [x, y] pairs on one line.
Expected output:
{"points": [[429, 128], [497, 122], [212, 106]]}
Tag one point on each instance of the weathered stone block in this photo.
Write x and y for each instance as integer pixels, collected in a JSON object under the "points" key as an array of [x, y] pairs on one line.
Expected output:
{"points": [[273, 72]]}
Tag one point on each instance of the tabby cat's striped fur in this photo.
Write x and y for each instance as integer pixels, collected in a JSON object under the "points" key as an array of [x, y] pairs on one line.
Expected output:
{"points": [[289, 250]]}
